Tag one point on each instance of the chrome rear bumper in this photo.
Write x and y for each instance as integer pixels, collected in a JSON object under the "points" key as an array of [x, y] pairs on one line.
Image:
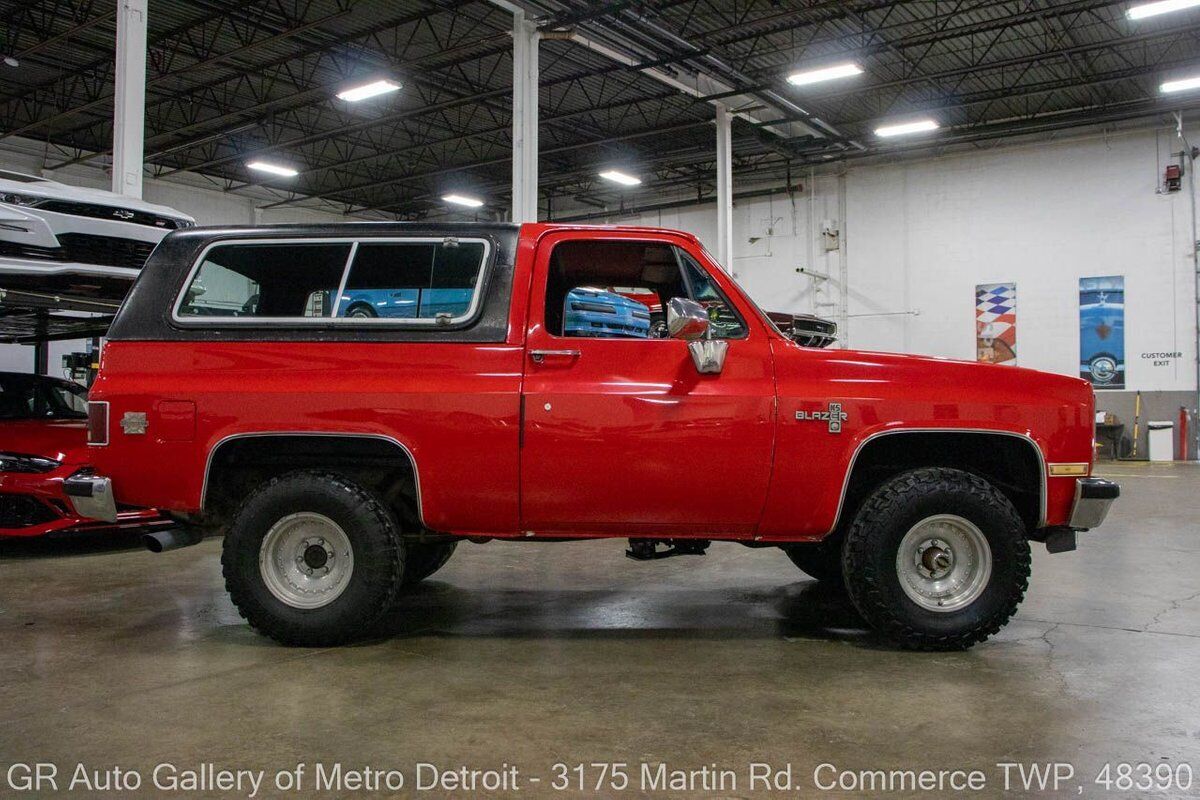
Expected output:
{"points": [[1093, 496], [92, 496]]}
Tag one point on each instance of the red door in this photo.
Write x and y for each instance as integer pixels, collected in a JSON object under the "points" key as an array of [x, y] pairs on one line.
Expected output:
{"points": [[624, 436]]}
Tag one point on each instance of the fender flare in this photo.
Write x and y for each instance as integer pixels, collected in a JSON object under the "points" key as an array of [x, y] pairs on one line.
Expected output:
{"points": [[208, 461], [1025, 437]]}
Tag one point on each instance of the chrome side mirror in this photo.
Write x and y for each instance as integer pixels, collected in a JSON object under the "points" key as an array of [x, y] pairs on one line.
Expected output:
{"points": [[686, 319]]}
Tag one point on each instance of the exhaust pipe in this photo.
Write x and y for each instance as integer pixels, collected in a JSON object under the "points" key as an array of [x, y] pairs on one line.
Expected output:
{"points": [[171, 539]]}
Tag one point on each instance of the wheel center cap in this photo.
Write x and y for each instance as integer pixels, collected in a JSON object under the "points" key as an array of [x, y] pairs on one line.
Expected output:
{"points": [[937, 561], [315, 556]]}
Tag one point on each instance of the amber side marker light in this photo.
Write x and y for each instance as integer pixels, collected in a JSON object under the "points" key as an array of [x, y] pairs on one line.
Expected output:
{"points": [[1069, 470]]}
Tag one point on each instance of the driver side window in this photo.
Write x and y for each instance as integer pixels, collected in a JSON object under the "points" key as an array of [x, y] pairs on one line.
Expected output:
{"points": [[620, 290]]}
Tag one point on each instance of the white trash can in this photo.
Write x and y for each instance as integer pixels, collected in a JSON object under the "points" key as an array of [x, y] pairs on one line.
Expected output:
{"points": [[1162, 440]]}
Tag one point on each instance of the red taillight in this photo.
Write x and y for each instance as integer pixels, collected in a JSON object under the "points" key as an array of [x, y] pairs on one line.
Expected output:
{"points": [[97, 427]]}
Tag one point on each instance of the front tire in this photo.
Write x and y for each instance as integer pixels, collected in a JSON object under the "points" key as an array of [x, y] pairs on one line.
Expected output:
{"points": [[937, 559], [312, 559]]}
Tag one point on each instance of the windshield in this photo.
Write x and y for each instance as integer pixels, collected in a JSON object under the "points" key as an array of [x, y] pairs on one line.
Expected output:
{"points": [[39, 397]]}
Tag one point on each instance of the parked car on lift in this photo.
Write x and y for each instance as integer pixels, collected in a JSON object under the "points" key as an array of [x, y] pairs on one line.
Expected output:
{"points": [[50, 227], [43, 439]]}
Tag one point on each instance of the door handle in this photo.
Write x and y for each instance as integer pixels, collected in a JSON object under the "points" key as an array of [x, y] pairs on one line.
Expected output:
{"points": [[539, 356]]}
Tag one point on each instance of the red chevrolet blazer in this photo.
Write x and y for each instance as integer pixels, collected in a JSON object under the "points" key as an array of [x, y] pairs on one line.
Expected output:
{"points": [[344, 457]]}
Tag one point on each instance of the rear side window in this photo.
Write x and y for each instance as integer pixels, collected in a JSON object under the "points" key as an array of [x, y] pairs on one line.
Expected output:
{"points": [[407, 282], [265, 280], [429, 281]]}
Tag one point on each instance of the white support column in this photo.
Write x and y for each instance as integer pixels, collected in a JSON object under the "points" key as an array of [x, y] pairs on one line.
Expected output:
{"points": [[525, 119], [129, 112], [725, 188]]}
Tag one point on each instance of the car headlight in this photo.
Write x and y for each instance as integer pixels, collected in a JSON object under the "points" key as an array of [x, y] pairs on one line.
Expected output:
{"points": [[17, 199], [16, 462]]}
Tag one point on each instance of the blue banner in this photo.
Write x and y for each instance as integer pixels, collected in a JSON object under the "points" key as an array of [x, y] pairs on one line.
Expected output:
{"points": [[1102, 331]]}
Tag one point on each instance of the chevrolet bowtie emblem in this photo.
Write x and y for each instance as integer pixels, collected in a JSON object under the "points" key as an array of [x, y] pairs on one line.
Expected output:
{"points": [[134, 423], [834, 416]]}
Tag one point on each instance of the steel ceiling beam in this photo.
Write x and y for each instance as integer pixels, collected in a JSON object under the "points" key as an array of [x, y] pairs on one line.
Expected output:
{"points": [[63, 85], [272, 71]]}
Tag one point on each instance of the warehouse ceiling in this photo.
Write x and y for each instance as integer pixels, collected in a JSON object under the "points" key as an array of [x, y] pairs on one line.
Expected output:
{"points": [[628, 84]]}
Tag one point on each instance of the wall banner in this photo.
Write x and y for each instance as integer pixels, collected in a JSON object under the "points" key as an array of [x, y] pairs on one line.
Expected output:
{"points": [[996, 323], [1102, 331]]}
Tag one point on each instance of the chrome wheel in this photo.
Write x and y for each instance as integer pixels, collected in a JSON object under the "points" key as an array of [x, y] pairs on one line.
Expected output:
{"points": [[1104, 369], [306, 560], [944, 563]]}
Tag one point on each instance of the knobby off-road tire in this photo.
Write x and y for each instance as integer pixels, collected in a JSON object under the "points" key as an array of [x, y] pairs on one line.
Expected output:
{"points": [[928, 508], [424, 559], [312, 559], [819, 560]]}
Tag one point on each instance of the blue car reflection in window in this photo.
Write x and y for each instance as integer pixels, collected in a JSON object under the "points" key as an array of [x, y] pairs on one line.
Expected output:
{"points": [[405, 303], [597, 313]]}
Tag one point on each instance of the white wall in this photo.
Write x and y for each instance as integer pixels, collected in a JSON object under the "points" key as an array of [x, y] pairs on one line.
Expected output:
{"points": [[919, 235]]}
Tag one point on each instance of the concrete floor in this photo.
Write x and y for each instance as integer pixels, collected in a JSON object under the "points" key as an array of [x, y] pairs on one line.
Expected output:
{"points": [[529, 655]]}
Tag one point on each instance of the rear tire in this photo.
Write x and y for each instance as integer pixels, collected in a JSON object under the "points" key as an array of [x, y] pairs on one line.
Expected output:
{"points": [[937, 559], [424, 559], [312, 559]]}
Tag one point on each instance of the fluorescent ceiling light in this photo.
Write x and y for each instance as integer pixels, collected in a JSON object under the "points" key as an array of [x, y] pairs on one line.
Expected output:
{"points": [[463, 200], [620, 177], [274, 169], [1181, 85], [372, 89], [920, 126], [1161, 7], [826, 74]]}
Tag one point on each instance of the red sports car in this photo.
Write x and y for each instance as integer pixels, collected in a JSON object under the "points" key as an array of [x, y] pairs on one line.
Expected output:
{"points": [[43, 440]]}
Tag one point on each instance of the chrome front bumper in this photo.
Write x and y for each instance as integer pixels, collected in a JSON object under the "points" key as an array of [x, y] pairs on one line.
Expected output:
{"points": [[1093, 496], [92, 497]]}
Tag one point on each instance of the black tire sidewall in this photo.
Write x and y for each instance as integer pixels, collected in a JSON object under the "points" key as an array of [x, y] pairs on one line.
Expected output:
{"points": [[377, 549]]}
